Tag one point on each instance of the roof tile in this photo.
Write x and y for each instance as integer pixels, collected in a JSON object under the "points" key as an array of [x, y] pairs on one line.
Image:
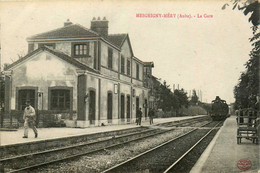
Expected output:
{"points": [[117, 39], [70, 31]]}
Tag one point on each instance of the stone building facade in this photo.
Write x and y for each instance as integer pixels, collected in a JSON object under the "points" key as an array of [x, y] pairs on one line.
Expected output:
{"points": [[87, 76]]}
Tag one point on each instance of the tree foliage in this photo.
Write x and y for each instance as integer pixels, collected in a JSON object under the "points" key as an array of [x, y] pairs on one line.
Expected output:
{"points": [[169, 101], [2, 94], [165, 95], [181, 98], [194, 98], [247, 89]]}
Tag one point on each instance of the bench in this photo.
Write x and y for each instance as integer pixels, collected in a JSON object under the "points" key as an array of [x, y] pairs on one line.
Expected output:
{"points": [[247, 126]]}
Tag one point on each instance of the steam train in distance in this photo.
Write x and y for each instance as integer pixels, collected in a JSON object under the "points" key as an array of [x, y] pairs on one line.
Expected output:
{"points": [[219, 109]]}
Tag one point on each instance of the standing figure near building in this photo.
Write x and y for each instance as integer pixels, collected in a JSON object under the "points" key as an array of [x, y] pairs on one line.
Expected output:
{"points": [[151, 115], [139, 116], [29, 120]]}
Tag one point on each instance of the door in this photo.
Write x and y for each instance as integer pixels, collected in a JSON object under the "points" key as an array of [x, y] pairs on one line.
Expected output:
{"points": [[122, 107], [128, 108], [137, 105], [145, 108], [109, 107], [92, 107]]}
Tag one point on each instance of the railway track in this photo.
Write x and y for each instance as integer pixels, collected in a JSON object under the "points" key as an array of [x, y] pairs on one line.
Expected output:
{"points": [[182, 123], [165, 157], [34, 160]]}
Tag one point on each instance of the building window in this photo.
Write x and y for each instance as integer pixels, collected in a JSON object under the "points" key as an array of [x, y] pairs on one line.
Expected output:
{"points": [[60, 99], [80, 49], [122, 64], [128, 67], [110, 58], [137, 71], [49, 45], [23, 96]]}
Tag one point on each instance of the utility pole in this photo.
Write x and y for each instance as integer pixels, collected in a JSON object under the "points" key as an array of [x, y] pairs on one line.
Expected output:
{"points": [[201, 95]]}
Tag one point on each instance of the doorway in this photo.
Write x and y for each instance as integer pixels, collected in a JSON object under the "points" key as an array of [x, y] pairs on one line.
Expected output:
{"points": [[122, 108], [92, 107], [109, 107], [137, 105], [145, 108], [128, 108]]}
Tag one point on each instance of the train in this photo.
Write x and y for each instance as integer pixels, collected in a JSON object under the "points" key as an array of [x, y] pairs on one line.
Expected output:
{"points": [[219, 109]]}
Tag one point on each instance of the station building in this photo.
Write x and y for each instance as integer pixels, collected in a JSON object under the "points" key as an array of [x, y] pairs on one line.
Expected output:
{"points": [[87, 76]]}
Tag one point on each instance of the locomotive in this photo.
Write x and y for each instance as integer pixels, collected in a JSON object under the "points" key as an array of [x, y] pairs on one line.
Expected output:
{"points": [[219, 109]]}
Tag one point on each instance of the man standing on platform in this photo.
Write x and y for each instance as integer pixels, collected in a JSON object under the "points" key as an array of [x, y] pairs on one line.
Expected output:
{"points": [[29, 119], [139, 116], [151, 115]]}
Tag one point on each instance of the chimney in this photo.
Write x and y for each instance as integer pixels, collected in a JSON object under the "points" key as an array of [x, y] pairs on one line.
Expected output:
{"points": [[67, 23], [100, 26]]}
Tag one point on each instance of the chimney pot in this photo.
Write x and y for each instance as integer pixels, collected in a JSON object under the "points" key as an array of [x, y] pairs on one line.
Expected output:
{"points": [[94, 18], [68, 22], [100, 26]]}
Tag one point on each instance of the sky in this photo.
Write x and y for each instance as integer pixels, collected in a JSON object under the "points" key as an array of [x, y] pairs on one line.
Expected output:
{"points": [[205, 50]]}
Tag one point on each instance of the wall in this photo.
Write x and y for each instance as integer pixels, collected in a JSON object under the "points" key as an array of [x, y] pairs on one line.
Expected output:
{"points": [[125, 90], [88, 60], [108, 86], [44, 70], [141, 68], [65, 47], [92, 84], [127, 54], [104, 57], [125, 78]]}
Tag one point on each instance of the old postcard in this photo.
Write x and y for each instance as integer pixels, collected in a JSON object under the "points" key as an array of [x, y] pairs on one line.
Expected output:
{"points": [[129, 86]]}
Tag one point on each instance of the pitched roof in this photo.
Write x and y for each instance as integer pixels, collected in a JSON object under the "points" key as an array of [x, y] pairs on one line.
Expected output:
{"points": [[57, 53], [117, 39], [70, 31]]}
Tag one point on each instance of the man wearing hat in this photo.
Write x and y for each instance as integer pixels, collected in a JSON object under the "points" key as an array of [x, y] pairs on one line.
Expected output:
{"points": [[29, 119]]}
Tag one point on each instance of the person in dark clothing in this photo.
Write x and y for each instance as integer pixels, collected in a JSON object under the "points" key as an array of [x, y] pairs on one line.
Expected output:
{"points": [[139, 116], [241, 114], [151, 115]]}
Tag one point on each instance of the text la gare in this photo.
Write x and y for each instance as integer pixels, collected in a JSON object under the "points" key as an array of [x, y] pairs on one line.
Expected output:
{"points": [[204, 16]]}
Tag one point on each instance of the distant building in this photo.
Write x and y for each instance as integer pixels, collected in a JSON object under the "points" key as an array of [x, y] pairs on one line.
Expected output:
{"points": [[88, 76], [149, 83]]}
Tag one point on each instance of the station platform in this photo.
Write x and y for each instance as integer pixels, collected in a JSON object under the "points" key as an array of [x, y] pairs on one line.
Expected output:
{"points": [[15, 137], [224, 155]]}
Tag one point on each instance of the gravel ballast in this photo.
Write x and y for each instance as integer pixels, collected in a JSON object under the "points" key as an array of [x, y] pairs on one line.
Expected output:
{"points": [[107, 158]]}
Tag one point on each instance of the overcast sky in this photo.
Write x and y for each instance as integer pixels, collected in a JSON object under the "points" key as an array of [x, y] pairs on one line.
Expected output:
{"points": [[205, 54]]}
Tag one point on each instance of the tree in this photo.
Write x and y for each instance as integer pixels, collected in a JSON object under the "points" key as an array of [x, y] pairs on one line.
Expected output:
{"points": [[166, 97], [2, 91], [181, 97], [241, 92], [247, 89], [194, 98]]}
